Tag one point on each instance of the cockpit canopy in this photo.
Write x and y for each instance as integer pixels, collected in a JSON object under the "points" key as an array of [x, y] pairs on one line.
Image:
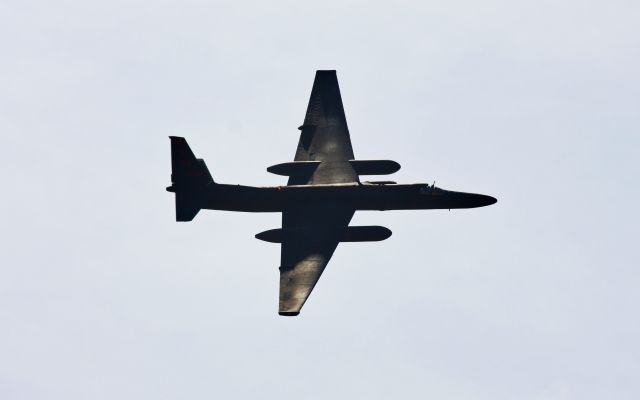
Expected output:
{"points": [[426, 189]]}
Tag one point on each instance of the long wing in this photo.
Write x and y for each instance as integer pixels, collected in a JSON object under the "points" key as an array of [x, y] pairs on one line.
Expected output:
{"points": [[324, 136], [316, 232]]}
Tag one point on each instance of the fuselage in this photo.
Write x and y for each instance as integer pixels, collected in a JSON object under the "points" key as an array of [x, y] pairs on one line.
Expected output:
{"points": [[358, 196]]}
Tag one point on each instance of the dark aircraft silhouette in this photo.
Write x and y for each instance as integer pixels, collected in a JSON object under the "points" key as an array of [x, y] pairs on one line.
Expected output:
{"points": [[321, 196]]}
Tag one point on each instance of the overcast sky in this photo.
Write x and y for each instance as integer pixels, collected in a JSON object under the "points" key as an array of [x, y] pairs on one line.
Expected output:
{"points": [[104, 296]]}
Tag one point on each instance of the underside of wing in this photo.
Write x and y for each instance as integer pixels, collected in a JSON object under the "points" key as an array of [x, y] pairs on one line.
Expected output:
{"points": [[305, 255], [324, 135]]}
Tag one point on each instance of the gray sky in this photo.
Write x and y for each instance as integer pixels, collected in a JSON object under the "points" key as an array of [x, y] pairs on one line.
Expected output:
{"points": [[103, 295]]}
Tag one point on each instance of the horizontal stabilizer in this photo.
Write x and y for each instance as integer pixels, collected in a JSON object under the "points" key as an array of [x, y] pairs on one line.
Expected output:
{"points": [[190, 177], [350, 234], [374, 167], [187, 206]]}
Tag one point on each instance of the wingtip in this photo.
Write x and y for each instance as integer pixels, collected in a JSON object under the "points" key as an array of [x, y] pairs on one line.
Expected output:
{"points": [[289, 313]]}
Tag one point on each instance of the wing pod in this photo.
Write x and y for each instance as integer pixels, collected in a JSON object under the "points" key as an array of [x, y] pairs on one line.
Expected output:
{"points": [[366, 234], [299, 172], [362, 167], [374, 167], [350, 234], [294, 168]]}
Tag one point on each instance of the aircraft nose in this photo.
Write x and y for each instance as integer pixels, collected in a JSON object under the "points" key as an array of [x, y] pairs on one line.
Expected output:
{"points": [[485, 200], [469, 200]]}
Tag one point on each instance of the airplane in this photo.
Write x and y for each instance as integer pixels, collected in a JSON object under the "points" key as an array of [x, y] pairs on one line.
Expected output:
{"points": [[322, 193]]}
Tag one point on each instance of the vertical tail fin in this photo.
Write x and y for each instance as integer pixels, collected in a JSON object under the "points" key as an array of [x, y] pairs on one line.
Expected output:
{"points": [[190, 178]]}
